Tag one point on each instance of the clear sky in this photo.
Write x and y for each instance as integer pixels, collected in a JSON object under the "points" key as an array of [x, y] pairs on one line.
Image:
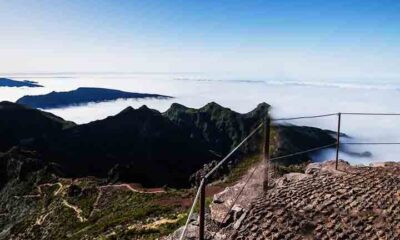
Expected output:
{"points": [[286, 38]]}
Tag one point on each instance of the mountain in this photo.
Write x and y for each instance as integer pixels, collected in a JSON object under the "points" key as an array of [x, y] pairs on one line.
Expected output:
{"points": [[148, 147], [221, 129], [79, 96], [289, 139], [137, 145], [20, 125], [6, 82], [67, 181]]}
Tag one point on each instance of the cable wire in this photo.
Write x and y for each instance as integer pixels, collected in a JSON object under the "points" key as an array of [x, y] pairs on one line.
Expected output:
{"points": [[304, 117], [235, 200], [371, 143], [280, 157], [234, 150], [191, 210], [371, 114], [302, 152]]}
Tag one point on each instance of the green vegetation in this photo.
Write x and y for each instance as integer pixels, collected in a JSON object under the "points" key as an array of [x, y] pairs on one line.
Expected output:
{"points": [[128, 214], [241, 169]]}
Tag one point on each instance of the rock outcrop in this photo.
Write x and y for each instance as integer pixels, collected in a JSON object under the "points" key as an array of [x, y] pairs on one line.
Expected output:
{"points": [[358, 203]]}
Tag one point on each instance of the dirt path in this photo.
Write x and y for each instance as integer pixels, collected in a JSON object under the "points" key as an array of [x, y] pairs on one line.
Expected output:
{"points": [[39, 221], [132, 189], [76, 209], [40, 192]]}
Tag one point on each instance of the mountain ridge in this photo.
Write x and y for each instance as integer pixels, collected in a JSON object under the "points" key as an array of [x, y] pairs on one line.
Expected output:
{"points": [[137, 144], [81, 95]]}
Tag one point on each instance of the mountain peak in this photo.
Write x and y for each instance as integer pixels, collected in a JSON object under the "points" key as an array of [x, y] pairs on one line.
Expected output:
{"points": [[177, 106], [212, 106], [260, 111], [127, 110], [10, 105]]}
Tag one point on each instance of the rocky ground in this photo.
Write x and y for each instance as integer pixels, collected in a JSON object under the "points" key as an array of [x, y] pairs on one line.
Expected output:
{"points": [[354, 203]]}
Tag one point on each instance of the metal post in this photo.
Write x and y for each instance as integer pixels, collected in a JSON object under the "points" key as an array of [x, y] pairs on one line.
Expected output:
{"points": [[338, 140], [267, 131], [202, 213]]}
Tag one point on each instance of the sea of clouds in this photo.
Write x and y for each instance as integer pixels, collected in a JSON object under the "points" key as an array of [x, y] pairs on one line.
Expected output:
{"points": [[289, 98]]}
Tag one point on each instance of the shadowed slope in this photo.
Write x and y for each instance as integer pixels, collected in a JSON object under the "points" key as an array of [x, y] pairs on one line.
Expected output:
{"points": [[19, 124]]}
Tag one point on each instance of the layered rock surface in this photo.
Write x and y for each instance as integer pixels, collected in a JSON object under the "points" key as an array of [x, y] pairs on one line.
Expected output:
{"points": [[353, 203]]}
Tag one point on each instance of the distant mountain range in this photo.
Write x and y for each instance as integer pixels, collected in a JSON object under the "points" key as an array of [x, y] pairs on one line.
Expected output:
{"points": [[81, 96], [146, 146], [6, 82]]}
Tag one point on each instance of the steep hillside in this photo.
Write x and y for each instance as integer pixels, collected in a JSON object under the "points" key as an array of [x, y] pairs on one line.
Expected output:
{"points": [[19, 125], [35, 203], [87, 181], [221, 129], [138, 145]]}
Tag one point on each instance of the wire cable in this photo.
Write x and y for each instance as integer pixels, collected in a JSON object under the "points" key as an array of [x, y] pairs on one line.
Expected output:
{"points": [[302, 152], [234, 150], [371, 114], [191, 210], [280, 157], [304, 117], [371, 143], [235, 200]]}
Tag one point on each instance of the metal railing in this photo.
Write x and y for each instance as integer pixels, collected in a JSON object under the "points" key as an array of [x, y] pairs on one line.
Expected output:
{"points": [[266, 125]]}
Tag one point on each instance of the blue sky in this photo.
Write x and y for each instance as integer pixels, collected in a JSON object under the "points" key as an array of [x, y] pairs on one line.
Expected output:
{"points": [[286, 38]]}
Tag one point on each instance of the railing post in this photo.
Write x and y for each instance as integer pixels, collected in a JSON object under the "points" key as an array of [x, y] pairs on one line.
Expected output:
{"points": [[202, 211], [338, 140], [267, 131]]}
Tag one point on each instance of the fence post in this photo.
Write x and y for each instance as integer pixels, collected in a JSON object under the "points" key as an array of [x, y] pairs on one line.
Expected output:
{"points": [[338, 140], [202, 210], [267, 131]]}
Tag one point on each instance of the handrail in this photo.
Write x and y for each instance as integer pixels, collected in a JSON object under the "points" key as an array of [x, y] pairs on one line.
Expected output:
{"points": [[304, 117], [191, 210], [220, 163], [233, 151], [371, 114]]}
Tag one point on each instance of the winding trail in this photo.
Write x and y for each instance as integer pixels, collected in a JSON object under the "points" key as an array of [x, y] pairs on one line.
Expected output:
{"points": [[40, 192], [39, 221], [118, 186], [77, 210], [130, 188]]}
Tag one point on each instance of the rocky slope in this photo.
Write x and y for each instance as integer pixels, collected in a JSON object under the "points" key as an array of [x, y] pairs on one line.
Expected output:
{"points": [[35, 203], [356, 202]]}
